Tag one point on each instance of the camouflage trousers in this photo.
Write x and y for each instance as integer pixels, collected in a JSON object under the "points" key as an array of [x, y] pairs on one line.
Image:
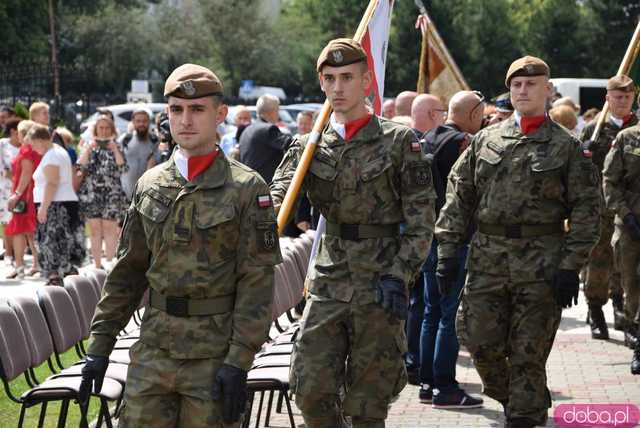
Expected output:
{"points": [[347, 360], [602, 274], [627, 253], [509, 329], [166, 392]]}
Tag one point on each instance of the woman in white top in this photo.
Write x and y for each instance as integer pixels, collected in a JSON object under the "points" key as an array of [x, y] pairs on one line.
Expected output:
{"points": [[9, 148], [57, 206]]}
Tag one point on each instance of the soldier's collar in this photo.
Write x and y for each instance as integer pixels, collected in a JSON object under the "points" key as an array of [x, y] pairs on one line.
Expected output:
{"points": [[511, 129], [367, 133], [213, 177]]}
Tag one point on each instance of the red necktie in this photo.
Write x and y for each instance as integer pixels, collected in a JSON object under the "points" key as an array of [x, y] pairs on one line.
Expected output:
{"points": [[352, 128], [529, 125], [196, 165]]}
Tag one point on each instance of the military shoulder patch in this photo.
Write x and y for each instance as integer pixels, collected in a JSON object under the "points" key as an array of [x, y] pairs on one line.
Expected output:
{"points": [[264, 201], [416, 146], [420, 173]]}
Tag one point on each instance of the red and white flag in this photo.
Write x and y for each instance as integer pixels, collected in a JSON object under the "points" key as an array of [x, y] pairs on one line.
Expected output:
{"points": [[374, 42]]}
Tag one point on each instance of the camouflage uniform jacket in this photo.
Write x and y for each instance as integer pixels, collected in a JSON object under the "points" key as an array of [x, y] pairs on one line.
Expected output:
{"points": [[621, 176], [380, 176], [507, 178], [601, 146], [201, 239]]}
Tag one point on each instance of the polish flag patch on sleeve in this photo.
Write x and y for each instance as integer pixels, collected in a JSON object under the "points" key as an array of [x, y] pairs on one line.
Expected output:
{"points": [[264, 201], [416, 146]]}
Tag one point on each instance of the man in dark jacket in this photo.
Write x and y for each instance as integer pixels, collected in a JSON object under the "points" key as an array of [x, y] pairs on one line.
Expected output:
{"points": [[262, 144]]}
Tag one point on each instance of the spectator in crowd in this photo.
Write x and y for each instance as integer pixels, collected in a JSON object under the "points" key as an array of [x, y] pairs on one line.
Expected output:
{"points": [[39, 113], [389, 108], [262, 144], [22, 224], [6, 114], [56, 206], [565, 116], [503, 108], [102, 199], [9, 148], [567, 101], [79, 250], [241, 120], [427, 112], [140, 149], [404, 100], [590, 115], [304, 122], [439, 344]]}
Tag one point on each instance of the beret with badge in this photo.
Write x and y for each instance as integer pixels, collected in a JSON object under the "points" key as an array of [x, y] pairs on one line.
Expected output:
{"points": [[339, 52], [527, 66], [621, 82], [192, 81]]}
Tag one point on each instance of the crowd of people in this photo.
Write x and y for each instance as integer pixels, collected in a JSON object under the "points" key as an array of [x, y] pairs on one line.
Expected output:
{"points": [[518, 196], [48, 200]]}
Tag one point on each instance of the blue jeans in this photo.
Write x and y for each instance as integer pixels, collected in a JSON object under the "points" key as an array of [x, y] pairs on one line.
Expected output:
{"points": [[438, 342]]}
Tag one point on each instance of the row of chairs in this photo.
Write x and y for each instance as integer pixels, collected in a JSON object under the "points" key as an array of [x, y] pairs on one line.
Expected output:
{"points": [[35, 331], [270, 369], [38, 331]]}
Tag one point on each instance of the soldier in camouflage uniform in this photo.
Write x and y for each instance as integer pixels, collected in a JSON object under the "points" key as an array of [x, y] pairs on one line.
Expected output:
{"points": [[621, 184], [519, 179], [368, 175], [200, 236], [602, 278]]}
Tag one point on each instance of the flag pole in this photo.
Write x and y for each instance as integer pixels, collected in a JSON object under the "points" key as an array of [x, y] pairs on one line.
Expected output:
{"points": [[423, 72], [321, 121], [625, 66]]}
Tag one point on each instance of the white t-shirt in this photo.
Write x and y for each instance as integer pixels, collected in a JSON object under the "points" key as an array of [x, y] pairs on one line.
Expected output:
{"points": [[59, 157]]}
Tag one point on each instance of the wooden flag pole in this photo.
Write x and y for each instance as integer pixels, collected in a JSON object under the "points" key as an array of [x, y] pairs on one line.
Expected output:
{"points": [[321, 121], [423, 72], [625, 66]]}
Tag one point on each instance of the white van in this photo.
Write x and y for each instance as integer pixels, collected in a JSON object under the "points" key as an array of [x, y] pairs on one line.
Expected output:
{"points": [[585, 92]]}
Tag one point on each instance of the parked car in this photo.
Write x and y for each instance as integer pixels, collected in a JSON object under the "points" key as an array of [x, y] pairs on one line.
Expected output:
{"points": [[294, 109], [287, 122], [122, 115]]}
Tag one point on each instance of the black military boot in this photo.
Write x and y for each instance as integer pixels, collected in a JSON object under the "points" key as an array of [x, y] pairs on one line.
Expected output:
{"points": [[635, 361], [618, 312], [520, 423], [630, 338], [599, 328]]}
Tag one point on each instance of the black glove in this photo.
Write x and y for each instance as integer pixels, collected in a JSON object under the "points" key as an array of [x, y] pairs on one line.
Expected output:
{"points": [[586, 144], [393, 297], [92, 376], [230, 386], [447, 274], [633, 226], [566, 286]]}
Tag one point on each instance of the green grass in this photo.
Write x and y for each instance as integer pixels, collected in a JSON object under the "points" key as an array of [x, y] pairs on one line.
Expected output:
{"points": [[10, 411]]}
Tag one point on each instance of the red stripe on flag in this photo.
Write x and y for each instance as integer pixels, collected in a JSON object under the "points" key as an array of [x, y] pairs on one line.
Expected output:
{"points": [[377, 101]]}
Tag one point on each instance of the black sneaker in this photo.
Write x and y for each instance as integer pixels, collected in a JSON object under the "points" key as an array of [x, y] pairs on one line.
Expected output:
{"points": [[457, 399], [426, 394]]}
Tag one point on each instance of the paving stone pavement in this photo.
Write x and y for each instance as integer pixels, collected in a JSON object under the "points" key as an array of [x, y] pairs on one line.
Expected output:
{"points": [[580, 370]]}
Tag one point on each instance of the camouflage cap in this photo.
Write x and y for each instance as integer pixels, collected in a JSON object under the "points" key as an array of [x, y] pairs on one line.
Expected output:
{"points": [[339, 52], [192, 81], [621, 82], [527, 66]]}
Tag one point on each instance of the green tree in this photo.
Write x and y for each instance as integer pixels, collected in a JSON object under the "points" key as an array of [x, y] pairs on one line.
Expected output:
{"points": [[24, 31]]}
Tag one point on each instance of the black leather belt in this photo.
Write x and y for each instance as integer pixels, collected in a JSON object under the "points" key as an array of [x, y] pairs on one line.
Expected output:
{"points": [[352, 232], [185, 307], [517, 231]]}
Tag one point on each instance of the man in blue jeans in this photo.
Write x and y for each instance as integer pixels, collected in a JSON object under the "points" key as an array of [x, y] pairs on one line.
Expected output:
{"points": [[438, 342]]}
